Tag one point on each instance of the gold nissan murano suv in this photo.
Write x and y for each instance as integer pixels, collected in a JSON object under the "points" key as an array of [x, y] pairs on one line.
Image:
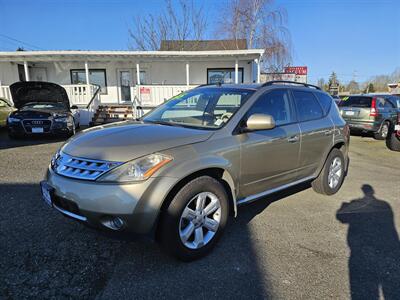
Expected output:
{"points": [[179, 171]]}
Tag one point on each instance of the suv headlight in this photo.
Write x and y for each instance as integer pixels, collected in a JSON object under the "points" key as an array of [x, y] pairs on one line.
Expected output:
{"points": [[137, 170], [13, 120], [54, 159]]}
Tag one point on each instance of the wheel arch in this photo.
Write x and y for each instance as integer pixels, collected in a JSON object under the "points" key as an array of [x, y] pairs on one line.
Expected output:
{"points": [[340, 145], [216, 172]]}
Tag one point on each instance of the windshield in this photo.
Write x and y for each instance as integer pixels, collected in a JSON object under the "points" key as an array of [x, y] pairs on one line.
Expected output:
{"points": [[209, 108], [45, 105]]}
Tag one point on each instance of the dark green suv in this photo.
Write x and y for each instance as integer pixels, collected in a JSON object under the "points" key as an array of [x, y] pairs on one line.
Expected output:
{"points": [[369, 113]]}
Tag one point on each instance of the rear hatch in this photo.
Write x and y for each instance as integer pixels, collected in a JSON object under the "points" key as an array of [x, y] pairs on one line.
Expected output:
{"points": [[357, 108]]}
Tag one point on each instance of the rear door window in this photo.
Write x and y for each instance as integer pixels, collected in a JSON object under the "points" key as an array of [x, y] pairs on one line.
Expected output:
{"points": [[356, 101], [396, 101], [308, 107], [388, 104]]}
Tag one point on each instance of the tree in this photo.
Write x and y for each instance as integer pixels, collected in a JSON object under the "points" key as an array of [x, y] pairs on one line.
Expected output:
{"points": [[321, 83], [333, 84], [333, 81], [370, 88], [353, 87], [180, 21], [262, 25]]}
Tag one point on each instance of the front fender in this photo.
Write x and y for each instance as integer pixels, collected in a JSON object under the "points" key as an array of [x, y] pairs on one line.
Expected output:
{"points": [[184, 169]]}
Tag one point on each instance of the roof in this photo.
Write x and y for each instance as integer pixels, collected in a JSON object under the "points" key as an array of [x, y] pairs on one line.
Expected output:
{"points": [[245, 86], [74, 55], [203, 45]]}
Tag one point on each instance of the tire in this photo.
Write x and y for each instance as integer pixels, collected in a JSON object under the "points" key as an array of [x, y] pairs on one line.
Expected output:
{"points": [[322, 184], [393, 142], [174, 223], [383, 132]]}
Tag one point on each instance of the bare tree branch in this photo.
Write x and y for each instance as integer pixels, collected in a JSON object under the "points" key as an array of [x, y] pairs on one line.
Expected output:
{"points": [[180, 20], [262, 25]]}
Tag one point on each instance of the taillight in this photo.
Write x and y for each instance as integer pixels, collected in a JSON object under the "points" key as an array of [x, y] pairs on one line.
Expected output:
{"points": [[374, 111]]}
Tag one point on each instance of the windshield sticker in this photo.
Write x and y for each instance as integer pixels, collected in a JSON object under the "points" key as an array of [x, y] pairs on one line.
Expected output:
{"points": [[179, 96]]}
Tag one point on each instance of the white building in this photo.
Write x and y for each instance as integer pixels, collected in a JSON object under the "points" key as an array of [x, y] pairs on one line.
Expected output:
{"points": [[150, 77]]}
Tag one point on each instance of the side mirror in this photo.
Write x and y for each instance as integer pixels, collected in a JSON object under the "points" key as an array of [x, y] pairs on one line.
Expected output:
{"points": [[260, 122], [74, 107]]}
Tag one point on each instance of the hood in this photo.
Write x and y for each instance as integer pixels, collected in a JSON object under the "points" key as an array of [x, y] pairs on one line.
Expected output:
{"points": [[129, 140], [24, 92]]}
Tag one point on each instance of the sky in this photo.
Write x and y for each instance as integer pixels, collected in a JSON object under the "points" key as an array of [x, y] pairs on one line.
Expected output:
{"points": [[355, 38]]}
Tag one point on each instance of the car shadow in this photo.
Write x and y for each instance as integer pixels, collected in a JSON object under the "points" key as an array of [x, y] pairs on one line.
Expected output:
{"points": [[362, 134], [248, 211], [374, 262], [46, 255], [50, 256]]}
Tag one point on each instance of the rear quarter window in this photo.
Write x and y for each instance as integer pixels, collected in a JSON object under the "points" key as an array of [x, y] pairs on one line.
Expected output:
{"points": [[356, 101], [325, 101]]}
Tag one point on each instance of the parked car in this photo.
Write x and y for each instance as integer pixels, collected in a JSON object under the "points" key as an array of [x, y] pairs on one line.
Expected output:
{"points": [[336, 98], [43, 108], [5, 109], [369, 113], [181, 169]]}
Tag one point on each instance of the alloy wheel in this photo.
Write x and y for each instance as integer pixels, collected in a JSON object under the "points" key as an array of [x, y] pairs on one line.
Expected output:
{"points": [[335, 172], [384, 130], [200, 220]]}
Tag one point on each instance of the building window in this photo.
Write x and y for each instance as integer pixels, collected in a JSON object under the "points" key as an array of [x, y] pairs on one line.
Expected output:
{"points": [[96, 76], [223, 75], [142, 77]]}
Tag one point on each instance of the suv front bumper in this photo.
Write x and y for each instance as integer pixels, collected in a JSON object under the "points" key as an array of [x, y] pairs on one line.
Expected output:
{"points": [[136, 204]]}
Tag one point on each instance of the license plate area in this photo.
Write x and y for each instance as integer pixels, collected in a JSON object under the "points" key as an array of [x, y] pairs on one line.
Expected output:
{"points": [[37, 129], [349, 113], [397, 127]]}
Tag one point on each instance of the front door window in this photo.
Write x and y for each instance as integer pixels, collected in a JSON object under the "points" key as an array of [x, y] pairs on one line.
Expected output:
{"points": [[125, 79]]}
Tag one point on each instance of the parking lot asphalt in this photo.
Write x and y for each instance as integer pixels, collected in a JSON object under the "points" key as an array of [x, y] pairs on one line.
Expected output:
{"points": [[292, 245]]}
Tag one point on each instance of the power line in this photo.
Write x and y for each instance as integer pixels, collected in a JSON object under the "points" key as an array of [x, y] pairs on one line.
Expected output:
{"points": [[19, 41]]}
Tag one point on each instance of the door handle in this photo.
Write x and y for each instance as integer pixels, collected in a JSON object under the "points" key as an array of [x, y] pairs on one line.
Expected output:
{"points": [[328, 132], [293, 139]]}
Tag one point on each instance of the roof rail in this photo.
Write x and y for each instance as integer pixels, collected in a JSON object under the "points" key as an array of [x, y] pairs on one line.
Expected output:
{"points": [[208, 84], [290, 82]]}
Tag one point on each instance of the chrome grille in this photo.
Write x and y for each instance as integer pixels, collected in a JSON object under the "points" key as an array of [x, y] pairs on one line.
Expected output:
{"points": [[43, 123], [81, 168]]}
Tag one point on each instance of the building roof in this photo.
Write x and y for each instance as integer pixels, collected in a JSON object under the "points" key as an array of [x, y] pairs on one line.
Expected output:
{"points": [[203, 45], [136, 56]]}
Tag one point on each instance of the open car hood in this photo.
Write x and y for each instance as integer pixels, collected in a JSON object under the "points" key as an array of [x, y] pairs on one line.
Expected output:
{"points": [[24, 92]]}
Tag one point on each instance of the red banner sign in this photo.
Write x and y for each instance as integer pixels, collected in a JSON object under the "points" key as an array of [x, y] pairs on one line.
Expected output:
{"points": [[144, 90], [296, 70]]}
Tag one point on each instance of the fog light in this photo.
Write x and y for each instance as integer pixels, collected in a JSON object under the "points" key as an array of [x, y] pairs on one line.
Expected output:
{"points": [[118, 223], [114, 223]]}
